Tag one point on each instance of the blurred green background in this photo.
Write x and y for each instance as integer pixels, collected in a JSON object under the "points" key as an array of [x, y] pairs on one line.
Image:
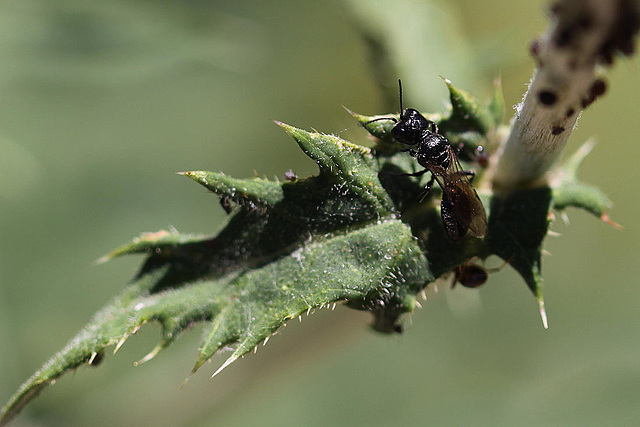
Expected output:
{"points": [[101, 102]]}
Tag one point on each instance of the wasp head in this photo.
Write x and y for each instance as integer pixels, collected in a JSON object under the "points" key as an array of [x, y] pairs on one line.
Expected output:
{"points": [[411, 127]]}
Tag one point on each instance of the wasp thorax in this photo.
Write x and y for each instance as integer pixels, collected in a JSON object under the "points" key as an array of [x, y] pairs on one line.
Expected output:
{"points": [[433, 150]]}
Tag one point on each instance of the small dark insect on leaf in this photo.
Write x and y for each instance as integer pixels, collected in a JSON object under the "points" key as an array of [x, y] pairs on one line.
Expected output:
{"points": [[472, 275], [461, 208]]}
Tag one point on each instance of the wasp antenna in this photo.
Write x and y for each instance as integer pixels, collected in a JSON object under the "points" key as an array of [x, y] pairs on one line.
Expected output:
{"points": [[400, 89], [393, 119]]}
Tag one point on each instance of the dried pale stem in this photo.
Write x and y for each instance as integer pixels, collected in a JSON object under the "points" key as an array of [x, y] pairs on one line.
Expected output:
{"points": [[583, 36]]}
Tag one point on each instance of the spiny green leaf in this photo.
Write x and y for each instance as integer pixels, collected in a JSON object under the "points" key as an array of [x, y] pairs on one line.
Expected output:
{"points": [[568, 191], [348, 163], [246, 306], [290, 247], [157, 242], [254, 192], [108, 327], [466, 113], [568, 171], [518, 225], [583, 196], [366, 263], [377, 126]]}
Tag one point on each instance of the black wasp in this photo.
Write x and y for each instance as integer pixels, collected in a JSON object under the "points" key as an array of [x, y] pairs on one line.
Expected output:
{"points": [[461, 208]]}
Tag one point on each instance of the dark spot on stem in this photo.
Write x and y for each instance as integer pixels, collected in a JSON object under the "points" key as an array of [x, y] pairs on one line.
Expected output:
{"points": [[557, 130], [585, 21], [586, 102], [624, 29], [534, 48], [547, 97], [555, 8], [573, 64], [598, 88], [570, 112], [606, 54], [563, 37]]}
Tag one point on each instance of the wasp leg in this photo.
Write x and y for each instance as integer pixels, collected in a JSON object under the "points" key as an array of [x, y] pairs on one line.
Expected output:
{"points": [[427, 189], [419, 173], [470, 174], [500, 267], [456, 276]]}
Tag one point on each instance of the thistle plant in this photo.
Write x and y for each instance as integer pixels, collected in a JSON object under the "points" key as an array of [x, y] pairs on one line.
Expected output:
{"points": [[357, 233]]}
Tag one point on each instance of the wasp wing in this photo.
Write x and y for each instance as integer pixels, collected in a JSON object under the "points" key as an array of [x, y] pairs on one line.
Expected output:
{"points": [[462, 201]]}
